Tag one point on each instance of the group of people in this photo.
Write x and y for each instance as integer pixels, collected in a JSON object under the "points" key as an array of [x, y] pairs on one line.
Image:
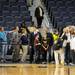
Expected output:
{"points": [[9, 42], [23, 41], [69, 35], [39, 43], [19, 38]]}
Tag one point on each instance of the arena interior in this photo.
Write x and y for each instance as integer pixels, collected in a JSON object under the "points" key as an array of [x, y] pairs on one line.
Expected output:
{"points": [[37, 37]]}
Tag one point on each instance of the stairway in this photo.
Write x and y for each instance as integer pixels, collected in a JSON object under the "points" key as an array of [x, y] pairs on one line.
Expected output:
{"points": [[46, 21]]}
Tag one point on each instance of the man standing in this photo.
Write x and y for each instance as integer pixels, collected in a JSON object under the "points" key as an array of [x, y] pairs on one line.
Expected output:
{"points": [[50, 41], [58, 50], [39, 15], [15, 44]]}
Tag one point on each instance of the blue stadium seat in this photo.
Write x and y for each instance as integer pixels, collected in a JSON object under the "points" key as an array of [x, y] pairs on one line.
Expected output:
{"points": [[60, 24], [1, 18], [58, 19], [54, 9], [51, 4], [18, 19], [18, 23], [10, 24], [62, 12], [27, 18], [21, 3], [1, 7], [71, 9], [3, 0], [28, 24], [73, 20], [5, 3], [11, 13], [72, 14], [14, 8], [21, 0], [60, 3], [6, 13], [69, 3], [63, 8], [69, 23], [12, 1], [1, 13], [67, 20], [6, 8], [15, 13], [1, 23], [24, 13], [8, 18], [56, 14], [23, 8]]}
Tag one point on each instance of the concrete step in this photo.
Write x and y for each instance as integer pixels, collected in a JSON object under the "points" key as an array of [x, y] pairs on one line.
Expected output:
{"points": [[47, 21]]}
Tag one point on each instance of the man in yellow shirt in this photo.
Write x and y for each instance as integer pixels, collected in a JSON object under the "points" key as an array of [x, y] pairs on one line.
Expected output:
{"points": [[58, 50]]}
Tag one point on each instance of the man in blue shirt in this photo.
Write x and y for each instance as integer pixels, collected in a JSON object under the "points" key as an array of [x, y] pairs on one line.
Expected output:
{"points": [[3, 41]]}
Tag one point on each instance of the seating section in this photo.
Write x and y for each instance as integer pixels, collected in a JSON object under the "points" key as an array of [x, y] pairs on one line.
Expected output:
{"points": [[61, 12], [12, 13]]}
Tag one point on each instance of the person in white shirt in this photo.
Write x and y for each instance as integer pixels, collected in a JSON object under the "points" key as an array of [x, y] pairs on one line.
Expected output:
{"points": [[72, 47], [67, 45]]}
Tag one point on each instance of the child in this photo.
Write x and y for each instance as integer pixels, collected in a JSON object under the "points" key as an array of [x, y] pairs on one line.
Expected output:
{"points": [[45, 47]]}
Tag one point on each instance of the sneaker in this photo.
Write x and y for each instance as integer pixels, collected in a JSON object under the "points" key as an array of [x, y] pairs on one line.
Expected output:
{"points": [[71, 64]]}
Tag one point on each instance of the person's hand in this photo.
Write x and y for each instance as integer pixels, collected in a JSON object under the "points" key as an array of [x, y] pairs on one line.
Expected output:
{"points": [[39, 43], [68, 41], [55, 42], [45, 49], [30, 46]]}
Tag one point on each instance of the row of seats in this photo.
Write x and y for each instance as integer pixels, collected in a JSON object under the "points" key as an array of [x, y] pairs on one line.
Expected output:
{"points": [[60, 2], [13, 12], [16, 18], [15, 7], [61, 12], [12, 0]]}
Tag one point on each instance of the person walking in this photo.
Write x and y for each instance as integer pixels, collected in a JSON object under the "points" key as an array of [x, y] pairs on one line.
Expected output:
{"points": [[39, 14]]}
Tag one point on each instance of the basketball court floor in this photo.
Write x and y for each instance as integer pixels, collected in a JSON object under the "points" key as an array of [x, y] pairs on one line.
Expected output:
{"points": [[36, 69]]}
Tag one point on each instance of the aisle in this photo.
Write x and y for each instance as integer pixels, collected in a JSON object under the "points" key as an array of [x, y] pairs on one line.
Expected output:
{"points": [[46, 22]]}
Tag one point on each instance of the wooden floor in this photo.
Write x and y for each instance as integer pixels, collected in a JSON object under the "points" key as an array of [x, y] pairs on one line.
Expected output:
{"points": [[34, 69]]}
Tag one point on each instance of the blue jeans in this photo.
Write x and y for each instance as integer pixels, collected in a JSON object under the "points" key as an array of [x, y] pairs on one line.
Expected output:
{"points": [[4, 50]]}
